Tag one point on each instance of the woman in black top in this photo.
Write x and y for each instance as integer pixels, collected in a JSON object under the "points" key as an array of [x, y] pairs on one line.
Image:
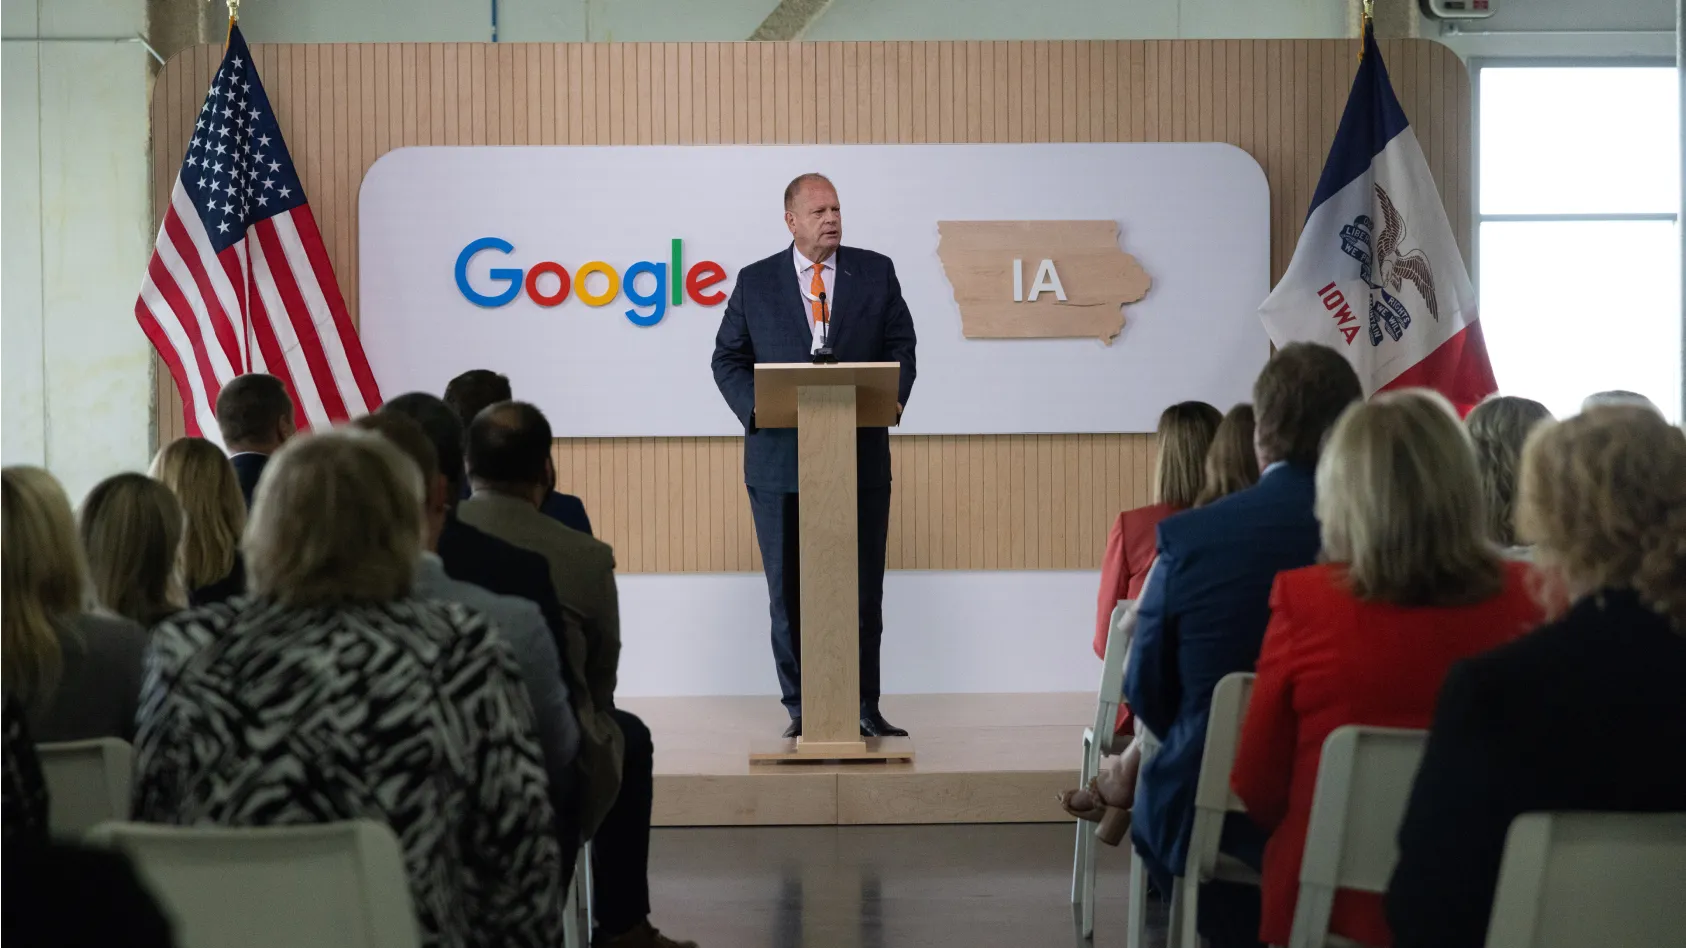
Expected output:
{"points": [[204, 483], [1588, 712]]}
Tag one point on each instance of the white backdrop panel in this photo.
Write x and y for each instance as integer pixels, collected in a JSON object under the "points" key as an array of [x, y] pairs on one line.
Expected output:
{"points": [[1195, 215], [945, 632]]}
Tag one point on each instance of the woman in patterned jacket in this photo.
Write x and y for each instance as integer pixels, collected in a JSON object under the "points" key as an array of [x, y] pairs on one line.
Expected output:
{"points": [[330, 694]]}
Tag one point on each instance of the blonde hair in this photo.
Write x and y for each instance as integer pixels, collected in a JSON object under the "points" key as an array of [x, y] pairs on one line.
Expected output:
{"points": [[1400, 504], [205, 485], [1185, 433], [1498, 427], [1603, 497], [44, 584], [1231, 463], [337, 518], [131, 529]]}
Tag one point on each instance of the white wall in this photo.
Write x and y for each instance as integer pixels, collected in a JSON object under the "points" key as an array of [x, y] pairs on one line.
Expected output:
{"points": [[303, 21], [76, 387]]}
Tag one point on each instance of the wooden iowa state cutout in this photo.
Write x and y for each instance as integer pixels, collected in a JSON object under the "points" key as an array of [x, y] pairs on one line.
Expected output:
{"points": [[1039, 279]]}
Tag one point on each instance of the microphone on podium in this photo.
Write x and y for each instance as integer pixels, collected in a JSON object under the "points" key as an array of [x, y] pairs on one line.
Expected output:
{"points": [[823, 355]]}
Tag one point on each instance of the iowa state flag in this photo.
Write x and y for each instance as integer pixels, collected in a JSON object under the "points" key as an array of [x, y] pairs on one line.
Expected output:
{"points": [[1377, 274]]}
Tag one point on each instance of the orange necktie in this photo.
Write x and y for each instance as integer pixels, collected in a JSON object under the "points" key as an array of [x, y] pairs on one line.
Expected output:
{"points": [[814, 290]]}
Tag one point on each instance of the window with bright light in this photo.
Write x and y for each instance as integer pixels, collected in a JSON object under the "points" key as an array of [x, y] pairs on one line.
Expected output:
{"points": [[1579, 262]]}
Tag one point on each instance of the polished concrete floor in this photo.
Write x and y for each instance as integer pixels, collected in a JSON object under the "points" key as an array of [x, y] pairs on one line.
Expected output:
{"points": [[882, 887]]}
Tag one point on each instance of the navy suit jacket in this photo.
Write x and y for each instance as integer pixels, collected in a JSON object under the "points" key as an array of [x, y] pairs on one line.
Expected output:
{"points": [[248, 467], [567, 510], [1202, 616], [765, 321]]}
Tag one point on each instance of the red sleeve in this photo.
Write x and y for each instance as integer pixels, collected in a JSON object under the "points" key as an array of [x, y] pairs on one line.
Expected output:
{"points": [[1114, 579], [1264, 761]]}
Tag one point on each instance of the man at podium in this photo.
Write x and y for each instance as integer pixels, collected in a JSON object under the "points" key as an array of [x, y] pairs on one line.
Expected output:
{"points": [[815, 294]]}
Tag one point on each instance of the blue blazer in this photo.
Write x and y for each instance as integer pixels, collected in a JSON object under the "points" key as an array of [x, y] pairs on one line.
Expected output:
{"points": [[765, 322], [1202, 616]]}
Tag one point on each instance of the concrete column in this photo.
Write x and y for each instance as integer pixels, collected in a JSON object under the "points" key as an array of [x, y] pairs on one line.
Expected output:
{"points": [[1395, 19], [175, 25]]}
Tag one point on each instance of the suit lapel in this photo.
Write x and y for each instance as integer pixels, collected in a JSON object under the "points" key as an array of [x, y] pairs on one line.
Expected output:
{"points": [[788, 297], [847, 291]]}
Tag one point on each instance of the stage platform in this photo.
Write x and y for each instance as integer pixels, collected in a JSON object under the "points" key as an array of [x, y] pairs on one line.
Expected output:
{"points": [[979, 758]]}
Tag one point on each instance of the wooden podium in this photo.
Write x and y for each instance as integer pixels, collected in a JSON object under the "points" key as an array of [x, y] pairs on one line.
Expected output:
{"points": [[826, 403]]}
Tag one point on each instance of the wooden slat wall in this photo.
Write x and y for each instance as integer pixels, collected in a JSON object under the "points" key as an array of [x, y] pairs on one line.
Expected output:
{"points": [[964, 502]]}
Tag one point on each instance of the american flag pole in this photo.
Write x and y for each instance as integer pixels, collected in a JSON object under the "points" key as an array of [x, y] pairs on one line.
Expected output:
{"points": [[240, 278]]}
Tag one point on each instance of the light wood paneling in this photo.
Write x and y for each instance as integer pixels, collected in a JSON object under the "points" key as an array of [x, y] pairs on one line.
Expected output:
{"points": [[961, 502], [982, 758]]}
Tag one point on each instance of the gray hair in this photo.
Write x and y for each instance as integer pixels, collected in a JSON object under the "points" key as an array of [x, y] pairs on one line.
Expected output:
{"points": [[337, 518]]}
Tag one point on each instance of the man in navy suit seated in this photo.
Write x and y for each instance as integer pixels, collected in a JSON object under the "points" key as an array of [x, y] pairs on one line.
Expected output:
{"points": [[468, 394], [255, 415], [1204, 612], [776, 314]]}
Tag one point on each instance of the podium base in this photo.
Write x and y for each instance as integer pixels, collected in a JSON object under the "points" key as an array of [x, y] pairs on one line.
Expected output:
{"points": [[784, 750]]}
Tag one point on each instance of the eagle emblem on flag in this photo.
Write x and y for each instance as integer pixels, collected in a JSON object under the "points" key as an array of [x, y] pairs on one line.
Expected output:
{"points": [[1383, 267]]}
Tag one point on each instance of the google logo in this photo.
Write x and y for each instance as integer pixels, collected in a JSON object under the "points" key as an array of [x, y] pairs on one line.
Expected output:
{"points": [[698, 279]]}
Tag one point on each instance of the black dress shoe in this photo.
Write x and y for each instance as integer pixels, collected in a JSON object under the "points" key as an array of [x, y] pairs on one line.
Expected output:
{"points": [[874, 725], [795, 729]]}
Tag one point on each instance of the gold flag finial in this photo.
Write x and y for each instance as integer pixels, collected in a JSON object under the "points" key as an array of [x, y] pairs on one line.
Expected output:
{"points": [[1366, 23]]}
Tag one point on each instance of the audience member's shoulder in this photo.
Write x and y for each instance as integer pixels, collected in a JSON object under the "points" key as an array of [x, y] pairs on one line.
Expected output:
{"points": [[458, 626], [1143, 518], [582, 545], [871, 258], [1308, 583], [111, 631]]}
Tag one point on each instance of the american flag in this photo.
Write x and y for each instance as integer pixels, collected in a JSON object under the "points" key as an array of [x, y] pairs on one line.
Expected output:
{"points": [[240, 280]]}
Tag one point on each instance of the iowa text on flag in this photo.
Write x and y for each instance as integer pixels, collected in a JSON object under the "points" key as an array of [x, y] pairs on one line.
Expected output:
{"points": [[1377, 274], [240, 280]]}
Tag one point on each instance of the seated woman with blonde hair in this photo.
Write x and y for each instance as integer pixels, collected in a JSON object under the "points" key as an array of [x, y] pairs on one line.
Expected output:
{"points": [[1232, 463], [77, 674], [1409, 584], [205, 485], [1185, 433], [131, 530], [1499, 426], [331, 693], [1603, 500]]}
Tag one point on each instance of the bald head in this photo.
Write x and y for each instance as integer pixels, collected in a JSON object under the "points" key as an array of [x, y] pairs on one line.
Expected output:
{"points": [[814, 216], [509, 448]]}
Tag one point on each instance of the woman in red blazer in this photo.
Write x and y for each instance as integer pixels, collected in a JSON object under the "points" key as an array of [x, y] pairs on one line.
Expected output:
{"points": [[1409, 586], [1185, 433]]}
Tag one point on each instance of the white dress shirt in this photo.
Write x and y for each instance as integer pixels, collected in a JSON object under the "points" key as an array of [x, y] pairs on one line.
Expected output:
{"points": [[805, 277]]}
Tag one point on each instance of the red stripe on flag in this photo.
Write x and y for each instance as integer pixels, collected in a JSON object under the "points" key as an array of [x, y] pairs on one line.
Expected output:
{"points": [[1459, 369], [298, 313], [311, 236], [275, 361], [191, 256], [188, 322], [230, 260], [172, 360]]}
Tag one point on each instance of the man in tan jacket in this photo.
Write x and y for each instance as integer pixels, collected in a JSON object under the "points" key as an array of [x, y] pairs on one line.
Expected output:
{"points": [[510, 467]]}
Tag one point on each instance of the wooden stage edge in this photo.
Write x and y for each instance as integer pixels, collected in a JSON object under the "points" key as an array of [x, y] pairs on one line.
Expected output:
{"points": [[982, 758]]}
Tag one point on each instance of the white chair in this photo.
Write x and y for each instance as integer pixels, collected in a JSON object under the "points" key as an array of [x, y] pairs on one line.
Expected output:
{"points": [[87, 783], [332, 885], [1364, 781], [1098, 742], [577, 910], [1213, 800], [1137, 935], [1608, 879]]}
